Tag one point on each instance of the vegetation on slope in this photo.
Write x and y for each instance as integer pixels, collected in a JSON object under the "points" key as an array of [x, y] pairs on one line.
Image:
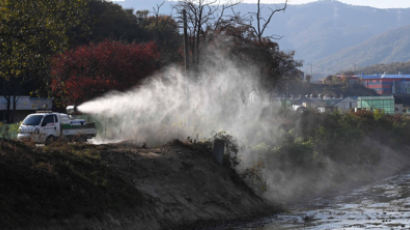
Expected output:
{"points": [[325, 152], [392, 68], [391, 46], [9, 131]]}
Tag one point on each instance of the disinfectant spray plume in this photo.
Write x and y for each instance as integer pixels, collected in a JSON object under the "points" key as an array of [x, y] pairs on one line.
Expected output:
{"points": [[224, 96]]}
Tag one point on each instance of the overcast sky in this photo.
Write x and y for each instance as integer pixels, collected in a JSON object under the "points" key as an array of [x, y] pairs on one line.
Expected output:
{"points": [[373, 3]]}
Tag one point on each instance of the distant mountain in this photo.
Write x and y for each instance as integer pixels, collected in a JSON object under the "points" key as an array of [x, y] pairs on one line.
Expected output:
{"points": [[392, 68], [316, 30], [391, 46]]}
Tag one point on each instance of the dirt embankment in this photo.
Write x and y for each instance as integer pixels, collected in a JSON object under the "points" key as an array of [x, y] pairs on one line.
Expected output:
{"points": [[119, 187]]}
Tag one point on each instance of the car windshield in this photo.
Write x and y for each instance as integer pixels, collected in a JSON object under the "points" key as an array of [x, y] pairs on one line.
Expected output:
{"points": [[33, 120]]}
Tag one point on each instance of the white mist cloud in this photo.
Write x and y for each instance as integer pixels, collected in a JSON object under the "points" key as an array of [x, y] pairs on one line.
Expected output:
{"points": [[225, 96]]}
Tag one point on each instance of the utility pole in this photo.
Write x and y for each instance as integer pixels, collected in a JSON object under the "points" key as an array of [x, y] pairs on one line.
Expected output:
{"points": [[186, 40]]}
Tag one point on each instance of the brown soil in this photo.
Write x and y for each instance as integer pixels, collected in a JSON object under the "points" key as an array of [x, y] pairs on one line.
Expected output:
{"points": [[121, 186]]}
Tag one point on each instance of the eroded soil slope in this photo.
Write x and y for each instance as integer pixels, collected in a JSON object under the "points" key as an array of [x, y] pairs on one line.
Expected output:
{"points": [[119, 186]]}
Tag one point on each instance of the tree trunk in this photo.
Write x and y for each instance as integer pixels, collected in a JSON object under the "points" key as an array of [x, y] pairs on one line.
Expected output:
{"points": [[8, 109], [13, 113], [198, 34], [186, 42]]}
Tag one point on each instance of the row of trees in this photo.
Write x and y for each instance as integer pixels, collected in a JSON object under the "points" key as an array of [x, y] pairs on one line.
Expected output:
{"points": [[33, 33], [76, 50], [92, 70]]}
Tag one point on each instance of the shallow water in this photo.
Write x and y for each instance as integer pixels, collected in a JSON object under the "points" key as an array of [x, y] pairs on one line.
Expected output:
{"points": [[385, 205]]}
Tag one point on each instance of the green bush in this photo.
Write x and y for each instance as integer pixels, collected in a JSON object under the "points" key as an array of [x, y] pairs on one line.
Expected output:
{"points": [[9, 131]]}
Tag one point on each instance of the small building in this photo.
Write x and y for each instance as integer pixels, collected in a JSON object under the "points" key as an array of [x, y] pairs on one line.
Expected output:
{"points": [[372, 103], [347, 104], [24, 106]]}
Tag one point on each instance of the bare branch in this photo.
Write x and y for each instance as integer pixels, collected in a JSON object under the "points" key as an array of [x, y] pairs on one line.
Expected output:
{"points": [[273, 12], [262, 23], [203, 15], [221, 15], [157, 8]]}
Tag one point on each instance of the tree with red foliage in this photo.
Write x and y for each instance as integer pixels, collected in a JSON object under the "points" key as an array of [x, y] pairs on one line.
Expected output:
{"points": [[90, 71]]}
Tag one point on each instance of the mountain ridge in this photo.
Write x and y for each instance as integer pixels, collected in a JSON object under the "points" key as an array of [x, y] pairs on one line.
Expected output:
{"points": [[389, 47], [316, 30]]}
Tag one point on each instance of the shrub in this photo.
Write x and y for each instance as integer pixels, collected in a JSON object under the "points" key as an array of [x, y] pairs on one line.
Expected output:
{"points": [[9, 131]]}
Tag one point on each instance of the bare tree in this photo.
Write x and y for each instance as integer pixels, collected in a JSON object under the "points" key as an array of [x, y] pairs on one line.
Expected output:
{"points": [[156, 10], [198, 14], [261, 23], [202, 15], [222, 17]]}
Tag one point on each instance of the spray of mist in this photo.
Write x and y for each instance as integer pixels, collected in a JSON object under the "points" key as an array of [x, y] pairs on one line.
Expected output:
{"points": [[224, 96]]}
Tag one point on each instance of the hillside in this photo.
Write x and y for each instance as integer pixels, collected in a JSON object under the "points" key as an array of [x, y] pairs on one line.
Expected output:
{"points": [[317, 30], [392, 46], [391, 68], [118, 186], [320, 29]]}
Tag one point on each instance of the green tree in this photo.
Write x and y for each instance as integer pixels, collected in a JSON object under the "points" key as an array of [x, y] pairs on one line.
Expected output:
{"points": [[107, 20], [30, 33], [164, 31]]}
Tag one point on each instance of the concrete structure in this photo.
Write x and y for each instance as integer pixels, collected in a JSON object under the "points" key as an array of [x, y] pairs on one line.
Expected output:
{"points": [[383, 103], [24, 106], [387, 84]]}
